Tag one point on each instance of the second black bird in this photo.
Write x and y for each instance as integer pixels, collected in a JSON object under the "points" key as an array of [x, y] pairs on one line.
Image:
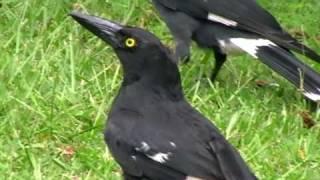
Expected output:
{"points": [[152, 131], [231, 26]]}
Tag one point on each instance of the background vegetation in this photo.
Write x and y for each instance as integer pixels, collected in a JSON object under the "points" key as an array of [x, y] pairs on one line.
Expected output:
{"points": [[57, 82]]}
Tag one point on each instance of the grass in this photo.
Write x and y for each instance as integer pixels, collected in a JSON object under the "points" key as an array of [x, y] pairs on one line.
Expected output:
{"points": [[57, 82]]}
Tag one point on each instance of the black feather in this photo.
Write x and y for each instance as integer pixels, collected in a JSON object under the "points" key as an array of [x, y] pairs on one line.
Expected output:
{"points": [[188, 20]]}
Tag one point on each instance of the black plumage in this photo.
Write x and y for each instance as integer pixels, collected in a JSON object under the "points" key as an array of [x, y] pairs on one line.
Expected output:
{"points": [[152, 131], [239, 25]]}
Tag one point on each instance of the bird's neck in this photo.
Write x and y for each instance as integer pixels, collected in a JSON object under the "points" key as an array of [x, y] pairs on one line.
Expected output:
{"points": [[138, 92], [162, 89], [155, 77], [163, 76]]}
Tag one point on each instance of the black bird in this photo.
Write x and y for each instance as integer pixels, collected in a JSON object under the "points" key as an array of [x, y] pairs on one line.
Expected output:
{"points": [[230, 26], [152, 131]]}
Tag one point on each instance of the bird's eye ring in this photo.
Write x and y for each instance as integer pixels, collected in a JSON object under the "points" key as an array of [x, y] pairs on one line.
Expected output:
{"points": [[130, 42]]}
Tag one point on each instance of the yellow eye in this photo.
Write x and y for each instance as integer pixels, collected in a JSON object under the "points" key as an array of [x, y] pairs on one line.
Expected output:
{"points": [[130, 42]]}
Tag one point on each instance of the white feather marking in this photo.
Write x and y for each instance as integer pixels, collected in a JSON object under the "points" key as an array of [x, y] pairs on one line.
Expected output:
{"points": [[134, 158], [192, 178], [173, 144], [222, 20], [251, 46], [144, 147], [313, 96], [161, 157], [228, 47]]}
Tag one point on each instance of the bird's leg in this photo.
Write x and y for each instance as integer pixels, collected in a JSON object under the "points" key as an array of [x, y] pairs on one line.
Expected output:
{"points": [[183, 49], [220, 59]]}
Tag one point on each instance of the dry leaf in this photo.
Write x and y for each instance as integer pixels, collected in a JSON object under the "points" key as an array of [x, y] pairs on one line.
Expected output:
{"points": [[308, 121], [263, 83], [75, 178], [299, 33], [302, 154], [76, 6], [68, 151]]}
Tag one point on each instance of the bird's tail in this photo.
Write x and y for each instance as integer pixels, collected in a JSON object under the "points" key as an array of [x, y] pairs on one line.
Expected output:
{"points": [[302, 49], [286, 64], [291, 43]]}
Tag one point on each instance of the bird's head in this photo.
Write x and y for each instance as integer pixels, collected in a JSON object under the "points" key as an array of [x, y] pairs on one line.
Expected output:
{"points": [[141, 53]]}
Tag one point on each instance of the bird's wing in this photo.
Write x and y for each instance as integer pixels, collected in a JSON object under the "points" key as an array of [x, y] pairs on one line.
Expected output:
{"points": [[191, 146], [245, 14], [141, 149], [137, 159], [215, 159], [176, 158], [231, 163], [240, 14]]}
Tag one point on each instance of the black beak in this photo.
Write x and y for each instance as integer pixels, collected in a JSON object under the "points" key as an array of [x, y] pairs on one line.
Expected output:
{"points": [[104, 29]]}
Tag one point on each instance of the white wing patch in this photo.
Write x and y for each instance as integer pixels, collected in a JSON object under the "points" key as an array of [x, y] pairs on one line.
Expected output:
{"points": [[229, 48], [222, 20], [156, 156], [173, 144], [144, 147], [251, 46], [134, 158], [160, 157], [192, 178], [313, 96]]}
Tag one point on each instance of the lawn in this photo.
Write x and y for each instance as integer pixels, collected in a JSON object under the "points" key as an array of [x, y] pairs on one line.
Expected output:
{"points": [[57, 82]]}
